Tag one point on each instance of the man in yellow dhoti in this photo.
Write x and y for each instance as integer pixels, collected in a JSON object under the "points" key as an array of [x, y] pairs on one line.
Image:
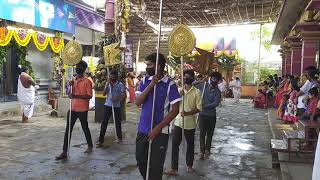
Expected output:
{"points": [[26, 94]]}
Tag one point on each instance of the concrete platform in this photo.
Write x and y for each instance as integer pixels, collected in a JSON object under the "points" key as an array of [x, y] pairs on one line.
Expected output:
{"points": [[301, 166]]}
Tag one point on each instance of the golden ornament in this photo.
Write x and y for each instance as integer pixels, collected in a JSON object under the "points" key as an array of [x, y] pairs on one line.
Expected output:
{"points": [[181, 40], [72, 53], [110, 53]]}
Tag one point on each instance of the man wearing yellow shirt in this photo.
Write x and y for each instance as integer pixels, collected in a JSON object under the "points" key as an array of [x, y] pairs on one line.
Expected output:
{"points": [[192, 106]]}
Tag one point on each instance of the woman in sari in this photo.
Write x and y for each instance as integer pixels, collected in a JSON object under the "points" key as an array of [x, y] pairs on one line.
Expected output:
{"points": [[282, 90], [260, 101], [131, 87]]}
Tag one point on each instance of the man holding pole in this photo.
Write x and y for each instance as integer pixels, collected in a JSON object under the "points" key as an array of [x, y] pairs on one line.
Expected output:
{"points": [[211, 99], [192, 105], [166, 108], [80, 95], [115, 91]]}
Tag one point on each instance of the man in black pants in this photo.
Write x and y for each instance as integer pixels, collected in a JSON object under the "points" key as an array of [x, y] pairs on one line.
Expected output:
{"points": [[166, 109], [192, 106], [211, 99], [115, 91], [81, 94]]}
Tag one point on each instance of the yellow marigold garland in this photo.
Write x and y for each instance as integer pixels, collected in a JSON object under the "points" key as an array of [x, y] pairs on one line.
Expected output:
{"points": [[22, 42], [56, 48], [44, 45]]}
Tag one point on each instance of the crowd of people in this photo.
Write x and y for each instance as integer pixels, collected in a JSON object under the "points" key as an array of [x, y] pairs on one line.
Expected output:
{"points": [[295, 97], [198, 107]]}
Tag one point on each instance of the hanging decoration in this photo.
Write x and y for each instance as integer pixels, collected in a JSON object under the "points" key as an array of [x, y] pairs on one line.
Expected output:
{"points": [[41, 41], [5, 36], [22, 37], [58, 70], [230, 54], [56, 44], [124, 12]]}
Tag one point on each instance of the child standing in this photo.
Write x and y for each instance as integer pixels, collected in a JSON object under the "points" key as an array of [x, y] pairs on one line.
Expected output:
{"points": [[290, 114]]}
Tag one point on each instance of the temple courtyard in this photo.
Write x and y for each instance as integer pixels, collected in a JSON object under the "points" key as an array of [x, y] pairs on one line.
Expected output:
{"points": [[240, 149]]}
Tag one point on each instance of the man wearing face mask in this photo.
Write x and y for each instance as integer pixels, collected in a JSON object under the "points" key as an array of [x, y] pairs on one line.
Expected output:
{"points": [[81, 94], [114, 96], [211, 99], [166, 109], [192, 105]]}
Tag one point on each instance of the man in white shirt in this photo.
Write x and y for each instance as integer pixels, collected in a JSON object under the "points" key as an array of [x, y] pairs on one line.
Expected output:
{"points": [[312, 81], [236, 89]]}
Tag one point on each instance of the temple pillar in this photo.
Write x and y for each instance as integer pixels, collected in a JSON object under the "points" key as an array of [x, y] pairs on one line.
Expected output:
{"points": [[308, 53], [296, 55], [287, 55], [295, 44], [109, 16], [309, 32]]}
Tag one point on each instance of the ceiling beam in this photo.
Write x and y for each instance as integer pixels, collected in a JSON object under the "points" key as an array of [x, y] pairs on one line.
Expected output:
{"points": [[207, 18]]}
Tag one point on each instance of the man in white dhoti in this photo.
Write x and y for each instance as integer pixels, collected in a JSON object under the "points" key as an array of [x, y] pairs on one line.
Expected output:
{"points": [[26, 94], [222, 87], [236, 89]]}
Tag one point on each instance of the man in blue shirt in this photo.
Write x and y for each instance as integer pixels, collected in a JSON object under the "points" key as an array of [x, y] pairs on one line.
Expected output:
{"points": [[166, 109], [115, 91], [211, 99]]}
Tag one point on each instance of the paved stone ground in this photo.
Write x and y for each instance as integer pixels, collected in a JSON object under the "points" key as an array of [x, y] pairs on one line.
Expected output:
{"points": [[240, 149]]}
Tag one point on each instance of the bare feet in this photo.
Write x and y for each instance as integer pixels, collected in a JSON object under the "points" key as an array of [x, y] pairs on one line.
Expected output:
{"points": [[99, 144], [201, 156], [119, 141], [189, 169], [26, 121], [172, 172], [62, 156], [206, 154], [89, 150]]}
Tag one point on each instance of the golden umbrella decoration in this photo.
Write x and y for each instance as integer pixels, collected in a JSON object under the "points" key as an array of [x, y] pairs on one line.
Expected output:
{"points": [[72, 53]]}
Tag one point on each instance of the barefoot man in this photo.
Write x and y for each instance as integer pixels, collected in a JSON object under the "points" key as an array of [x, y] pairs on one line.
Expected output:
{"points": [[26, 94]]}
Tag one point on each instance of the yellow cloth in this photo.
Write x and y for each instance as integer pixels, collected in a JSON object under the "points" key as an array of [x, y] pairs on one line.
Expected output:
{"points": [[192, 101]]}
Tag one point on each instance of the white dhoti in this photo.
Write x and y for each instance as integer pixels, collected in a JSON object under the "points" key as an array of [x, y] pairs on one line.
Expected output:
{"points": [[26, 98], [92, 102], [236, 93], [316, 165]]}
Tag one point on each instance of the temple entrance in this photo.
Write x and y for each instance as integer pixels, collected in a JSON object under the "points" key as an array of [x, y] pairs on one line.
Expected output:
{"points": [[9, 78]]}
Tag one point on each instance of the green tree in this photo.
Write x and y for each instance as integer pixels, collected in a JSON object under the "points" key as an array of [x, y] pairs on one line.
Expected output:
{"points": [[265, 72], [266, 36]]}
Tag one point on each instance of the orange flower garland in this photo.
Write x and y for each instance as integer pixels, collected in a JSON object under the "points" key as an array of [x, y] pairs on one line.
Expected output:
{"points": [[5, 36]]}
